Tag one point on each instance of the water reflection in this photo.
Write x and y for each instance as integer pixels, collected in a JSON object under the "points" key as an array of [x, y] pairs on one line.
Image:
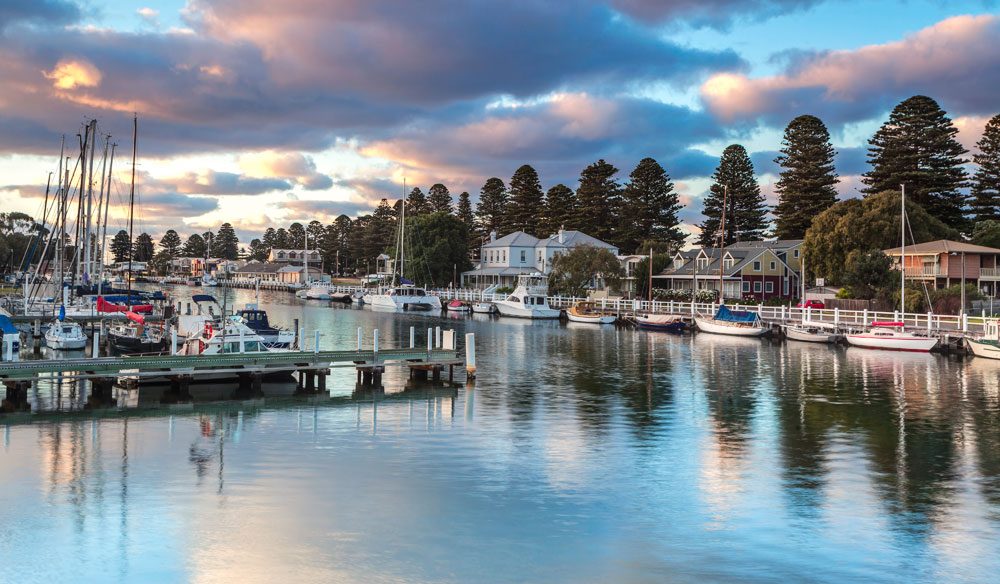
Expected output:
{"points": [[588, 453]]}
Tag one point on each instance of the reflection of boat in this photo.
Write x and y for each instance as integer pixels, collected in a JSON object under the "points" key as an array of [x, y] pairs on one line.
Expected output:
{"points": [[483, 308], [528, 299], [988, 345], [358, 297], [589, 312], [458, 306], [737, 323], [661, 322], [812, 332], [891, 336]]}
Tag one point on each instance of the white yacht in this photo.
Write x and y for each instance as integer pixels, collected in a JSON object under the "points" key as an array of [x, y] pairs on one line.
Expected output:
{"points": [[208, 281], [405, 297], [528, 300], [318, 291], [234, 337], [65, 335], [892, 336]]}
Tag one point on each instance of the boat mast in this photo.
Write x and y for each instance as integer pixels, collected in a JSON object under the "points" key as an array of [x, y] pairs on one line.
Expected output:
{"points": [[722, 242], [902, 248], [651, 279], [88, 253], [402, 238], [131, 210], [106, 198]]}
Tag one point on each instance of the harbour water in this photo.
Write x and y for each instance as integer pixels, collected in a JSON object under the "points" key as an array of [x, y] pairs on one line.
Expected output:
{"points": [[580, 454]]}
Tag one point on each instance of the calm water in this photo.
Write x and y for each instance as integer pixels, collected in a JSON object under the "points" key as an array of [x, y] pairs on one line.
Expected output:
{"points": [[580, 455]]}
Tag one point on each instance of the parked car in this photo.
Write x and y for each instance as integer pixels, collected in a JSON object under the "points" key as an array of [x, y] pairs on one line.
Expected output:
{"points": [[811, 304]]}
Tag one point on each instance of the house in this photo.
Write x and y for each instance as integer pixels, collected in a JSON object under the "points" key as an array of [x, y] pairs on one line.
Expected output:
{"points": [[265, 272], [502, 260], [943, 263], [757, 270], [297, 275], [294, 257]]}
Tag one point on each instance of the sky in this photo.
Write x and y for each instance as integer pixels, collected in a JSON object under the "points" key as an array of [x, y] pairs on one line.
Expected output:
{"points": [[261, 113]]}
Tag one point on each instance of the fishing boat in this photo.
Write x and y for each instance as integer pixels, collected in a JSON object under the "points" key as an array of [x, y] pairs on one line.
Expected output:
{"points": [[65, 335], [589, 312], [661, 322], [528, 300], [892, 336], [133, 336], [483, 308], [256, 320], [458, 306], [739, 323], [812, 332]]}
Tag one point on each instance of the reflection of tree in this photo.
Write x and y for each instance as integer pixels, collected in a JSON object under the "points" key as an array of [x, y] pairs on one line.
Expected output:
{"points": [[729, 368], [982, 409]]}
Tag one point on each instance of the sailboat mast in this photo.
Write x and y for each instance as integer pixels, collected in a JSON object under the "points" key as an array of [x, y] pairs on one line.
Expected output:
{"points": [[722, 241], [88, 251], [902, 248], [651, 278], [401, 254], [131, 208], [104, 224]]}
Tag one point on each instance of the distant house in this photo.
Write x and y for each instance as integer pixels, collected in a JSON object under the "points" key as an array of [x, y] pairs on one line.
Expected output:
{"points": [[943, 263], [294, 257], [754, 269], [265, 272], [502, 260]]}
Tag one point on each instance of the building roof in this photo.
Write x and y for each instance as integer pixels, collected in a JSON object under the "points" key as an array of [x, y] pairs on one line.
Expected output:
{"points": [[570, 239], [260, 268], [518, 239], [575, 238], [943, 246], [775, 245], [500, 271]]}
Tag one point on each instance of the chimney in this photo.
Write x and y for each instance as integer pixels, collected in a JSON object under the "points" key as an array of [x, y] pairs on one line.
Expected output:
{"points": [[493, 235], [562, 236]]}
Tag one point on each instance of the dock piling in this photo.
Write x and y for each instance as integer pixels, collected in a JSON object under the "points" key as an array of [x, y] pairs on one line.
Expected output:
{"points": [[470, 355], [316, 343]]}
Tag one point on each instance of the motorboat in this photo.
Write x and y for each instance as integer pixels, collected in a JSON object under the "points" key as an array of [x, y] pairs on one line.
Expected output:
{"points": [[661, 322], [404, 297], [358, 297], [738, 323], [208, 281], [342, 297], [891, 336], [988, 345], [256, 319], [483, 308], [134, 336], [458, 306], [809, 331], [65, 335], [589, 312], [317, 292], [528, 300], [227, 335]]}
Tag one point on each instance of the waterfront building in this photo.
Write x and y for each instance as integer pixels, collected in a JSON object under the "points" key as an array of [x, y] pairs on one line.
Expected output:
{"points": [[750, 270], [294, 257], [502, 260], [943, 263]]}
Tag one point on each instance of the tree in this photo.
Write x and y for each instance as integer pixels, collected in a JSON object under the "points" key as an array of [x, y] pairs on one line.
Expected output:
{"points": [[258, 252], [917, 148], [660, 262], [281, 239], [526, 202], [296, 236], [436, 253], [869, 274], [226, 245], [121, 246], [987, 233], [871, 223], [315, 231], [439, 199], [582, 268], [985, 203], [270, 238], [143, 249], [160, 263], [171, 243], [597, 201], [806, 185], [194, 247], [416, 203], [492, 206], [464, 211], [746, 214], [560, 210], [649, 208]]}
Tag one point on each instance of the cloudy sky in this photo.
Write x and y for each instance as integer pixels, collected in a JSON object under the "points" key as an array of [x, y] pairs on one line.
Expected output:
{"points": [[263, 112]]}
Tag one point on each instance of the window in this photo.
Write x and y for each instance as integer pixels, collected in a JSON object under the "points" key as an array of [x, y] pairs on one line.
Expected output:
{"points": [[524, 257], [728, 263], [503, 255], [795, 253], [539, 256], [768, 287], [702, 263], [746, 286], [678, 262], [774, 265], [756, 266], [756, 287]]}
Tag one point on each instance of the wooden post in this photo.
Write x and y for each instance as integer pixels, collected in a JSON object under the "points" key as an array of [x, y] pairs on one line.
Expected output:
{"points": [[359, 339], [95, 348], [470, 355], [413, 337]]}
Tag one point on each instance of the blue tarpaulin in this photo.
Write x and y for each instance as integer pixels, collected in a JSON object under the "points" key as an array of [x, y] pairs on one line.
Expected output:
{"points": [[735, 315], [204, 298], [6, 326], [406, 282]]}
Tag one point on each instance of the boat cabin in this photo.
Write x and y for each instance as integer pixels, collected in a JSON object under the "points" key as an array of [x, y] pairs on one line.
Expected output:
{"points": [[408, 291]]}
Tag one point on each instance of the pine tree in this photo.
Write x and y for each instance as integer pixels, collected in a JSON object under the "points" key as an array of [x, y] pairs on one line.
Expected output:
{"points": [[525, 205], [985, 203], [597, 201], [439, 199], [258, 251], [194, 247], [560, 210], [416, 203], [649, 208], [917, 148], [315, 232], [281, 238], [806, 186], [143, 248], [121, 247], [296, 236], [225, 244], [746, 213], [270, 238], [171, 243], [464, 211], [492, 206]]}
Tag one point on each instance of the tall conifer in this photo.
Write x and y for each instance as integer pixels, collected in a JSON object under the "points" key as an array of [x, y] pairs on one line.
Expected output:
{"points": [[746, 213], [492, 206], [416, 203], [560, 210], [649, 208], [806, 186], [597, 202], [985, 203], [439, 199], [525, 205]]}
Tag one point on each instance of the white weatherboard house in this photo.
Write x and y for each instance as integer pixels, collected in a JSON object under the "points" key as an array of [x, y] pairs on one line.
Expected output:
{"points": [[502, 260]]}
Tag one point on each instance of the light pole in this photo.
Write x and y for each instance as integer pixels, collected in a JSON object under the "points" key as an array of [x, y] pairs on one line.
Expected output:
{"points": [[962, 256]]}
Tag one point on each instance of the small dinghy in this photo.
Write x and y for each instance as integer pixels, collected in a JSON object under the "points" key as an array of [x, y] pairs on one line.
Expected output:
{"points": [[812, 332], [458, 306], [590, 313], [661, 322], [483, 308]]}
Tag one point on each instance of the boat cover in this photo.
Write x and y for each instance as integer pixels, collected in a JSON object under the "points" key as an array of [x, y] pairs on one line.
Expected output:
{"points": [[204, 298], [6, 326], [724, 314], [136, 318]]}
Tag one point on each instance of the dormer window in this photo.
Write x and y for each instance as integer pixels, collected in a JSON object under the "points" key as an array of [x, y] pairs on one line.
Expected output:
{"points": [[728, 263], [702, 263], [678, 263]]}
